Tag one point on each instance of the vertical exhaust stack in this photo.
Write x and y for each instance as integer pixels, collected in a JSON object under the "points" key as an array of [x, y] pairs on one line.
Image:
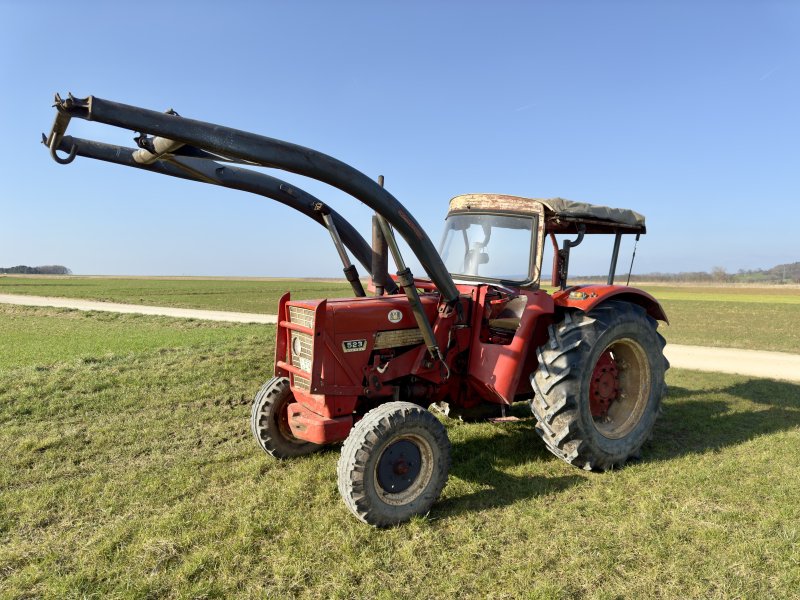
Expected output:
{"points": [[380, 254], [380, 258]]}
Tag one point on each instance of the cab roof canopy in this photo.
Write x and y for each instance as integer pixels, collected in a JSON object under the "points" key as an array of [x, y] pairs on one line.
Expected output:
{"points": [[560, 216]]}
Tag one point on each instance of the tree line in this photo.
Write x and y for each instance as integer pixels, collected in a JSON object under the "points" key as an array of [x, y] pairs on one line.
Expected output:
{"points": [[788, 273], [42, 270]]}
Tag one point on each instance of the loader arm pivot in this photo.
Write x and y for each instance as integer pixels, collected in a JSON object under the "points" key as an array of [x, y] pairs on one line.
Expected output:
{"points": [[264, 151]]}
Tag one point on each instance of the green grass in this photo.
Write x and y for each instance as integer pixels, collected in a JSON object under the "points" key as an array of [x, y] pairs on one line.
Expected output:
{"points": [[133, 475], [759, 295], [92, 335], [750, 318], [748, 325]]}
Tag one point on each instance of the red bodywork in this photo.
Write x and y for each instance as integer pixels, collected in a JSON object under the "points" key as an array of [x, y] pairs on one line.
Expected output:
{"points": [[345, 356]]}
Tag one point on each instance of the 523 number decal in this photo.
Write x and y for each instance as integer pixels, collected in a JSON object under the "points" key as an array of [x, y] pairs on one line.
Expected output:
{"points": [[354, 345]]}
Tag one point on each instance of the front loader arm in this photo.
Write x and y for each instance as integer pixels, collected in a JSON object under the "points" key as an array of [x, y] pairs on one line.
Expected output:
{"points": [[173, 131], [247, 180]]}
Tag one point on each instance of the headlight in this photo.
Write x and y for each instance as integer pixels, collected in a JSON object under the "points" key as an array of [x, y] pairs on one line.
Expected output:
{"points": [[302, 354]]}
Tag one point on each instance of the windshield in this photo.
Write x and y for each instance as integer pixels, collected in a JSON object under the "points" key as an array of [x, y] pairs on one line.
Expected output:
{"points": [[488, 246]]}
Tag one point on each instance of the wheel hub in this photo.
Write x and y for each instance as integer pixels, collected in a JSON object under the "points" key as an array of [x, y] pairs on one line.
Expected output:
{"points": [[399, 466], [604, 386]]}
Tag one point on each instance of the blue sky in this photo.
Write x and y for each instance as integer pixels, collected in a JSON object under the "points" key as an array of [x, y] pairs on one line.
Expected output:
{"points": [[686, 112]]}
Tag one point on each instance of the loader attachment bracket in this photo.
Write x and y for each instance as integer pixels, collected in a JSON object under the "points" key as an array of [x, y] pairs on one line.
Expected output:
{"points": [[57, 133]]}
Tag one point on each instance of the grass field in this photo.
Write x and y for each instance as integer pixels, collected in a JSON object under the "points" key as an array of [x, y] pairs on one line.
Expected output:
{"points": [[129, 472], [94, 335], [749, 324], [751, 318]]}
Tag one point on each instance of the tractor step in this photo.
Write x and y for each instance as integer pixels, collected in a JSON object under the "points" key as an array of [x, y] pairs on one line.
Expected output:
{"points": [[508, 419]]}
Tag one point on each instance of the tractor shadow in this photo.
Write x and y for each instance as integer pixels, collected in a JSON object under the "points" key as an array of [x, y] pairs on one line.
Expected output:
{"points": [[481, 462], [694, 422], [698, 421]]}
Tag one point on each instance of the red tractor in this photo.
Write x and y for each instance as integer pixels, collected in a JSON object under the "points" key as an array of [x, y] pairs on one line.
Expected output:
{"points": [[475, 336]]}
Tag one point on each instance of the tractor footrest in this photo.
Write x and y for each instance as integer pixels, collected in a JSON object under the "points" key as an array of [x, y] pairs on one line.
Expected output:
{"points": [[311, 427], [505, 420]]}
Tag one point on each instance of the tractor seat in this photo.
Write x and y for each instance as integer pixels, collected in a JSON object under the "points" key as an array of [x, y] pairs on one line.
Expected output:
{"points": [[510, 316]]}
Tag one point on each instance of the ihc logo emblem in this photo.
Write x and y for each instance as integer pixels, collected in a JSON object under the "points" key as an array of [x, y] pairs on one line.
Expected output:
{"points": [[395, 316]]}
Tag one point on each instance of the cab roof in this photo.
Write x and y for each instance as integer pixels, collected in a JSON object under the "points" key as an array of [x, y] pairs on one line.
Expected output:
{"points": [[560, 215]]}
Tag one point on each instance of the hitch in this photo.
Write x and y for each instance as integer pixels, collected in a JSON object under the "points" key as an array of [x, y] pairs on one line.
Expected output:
{"points": [[57, 134]]}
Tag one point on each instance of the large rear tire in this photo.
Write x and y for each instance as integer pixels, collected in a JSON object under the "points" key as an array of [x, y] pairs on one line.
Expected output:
{"points": [[599, 385], [269, 421], [394, 464]]}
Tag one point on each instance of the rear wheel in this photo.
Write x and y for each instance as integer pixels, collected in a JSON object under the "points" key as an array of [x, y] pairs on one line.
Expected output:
{"points": [[270, 424], [599, 385], [394, 464]]}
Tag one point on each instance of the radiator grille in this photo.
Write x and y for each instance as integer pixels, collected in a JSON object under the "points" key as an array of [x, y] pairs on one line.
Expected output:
{"points": [[301, 345], [302, 383], [396, 338], [301, 350], [302, 316]]}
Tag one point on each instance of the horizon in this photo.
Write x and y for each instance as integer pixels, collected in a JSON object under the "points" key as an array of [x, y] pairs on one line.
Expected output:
{"points": [[365, 276]]}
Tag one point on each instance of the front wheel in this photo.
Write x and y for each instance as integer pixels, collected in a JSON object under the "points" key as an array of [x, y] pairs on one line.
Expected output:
{"points": [[599, 384], [394, 464], [269, 421]]}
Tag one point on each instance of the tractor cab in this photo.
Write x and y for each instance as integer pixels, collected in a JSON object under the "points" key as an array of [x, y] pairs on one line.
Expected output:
{"points": [[494, 244], [499, 238]]}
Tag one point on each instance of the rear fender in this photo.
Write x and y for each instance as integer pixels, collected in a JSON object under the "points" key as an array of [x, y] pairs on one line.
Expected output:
{"points": [[587, 297]]}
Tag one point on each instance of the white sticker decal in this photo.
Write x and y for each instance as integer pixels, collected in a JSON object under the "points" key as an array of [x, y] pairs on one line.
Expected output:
{"points": [[395, 316]]}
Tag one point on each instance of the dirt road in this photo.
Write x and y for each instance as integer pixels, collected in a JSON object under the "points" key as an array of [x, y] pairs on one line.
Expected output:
{"points": [[167, 311], [755, 363]]}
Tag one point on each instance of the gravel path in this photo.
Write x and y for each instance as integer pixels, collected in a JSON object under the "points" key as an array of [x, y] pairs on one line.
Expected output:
{"points": [[755, 363], [167, 311]]}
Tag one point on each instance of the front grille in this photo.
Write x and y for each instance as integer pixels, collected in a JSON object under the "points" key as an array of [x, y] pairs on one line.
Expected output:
{"points": [[301, 345], [397, 338], [301, 351], [302, 316], [302, 383]]}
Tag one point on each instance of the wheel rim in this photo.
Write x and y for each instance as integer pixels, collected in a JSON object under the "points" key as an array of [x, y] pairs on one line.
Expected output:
{"points": [[619, 388], [404, 469], [604, 387], [281, 418]]}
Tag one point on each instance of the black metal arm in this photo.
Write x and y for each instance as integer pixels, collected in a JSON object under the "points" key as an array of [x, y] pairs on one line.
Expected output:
{"points": [[208, 171], [612, 269], [350, 272], [273, 153]]}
